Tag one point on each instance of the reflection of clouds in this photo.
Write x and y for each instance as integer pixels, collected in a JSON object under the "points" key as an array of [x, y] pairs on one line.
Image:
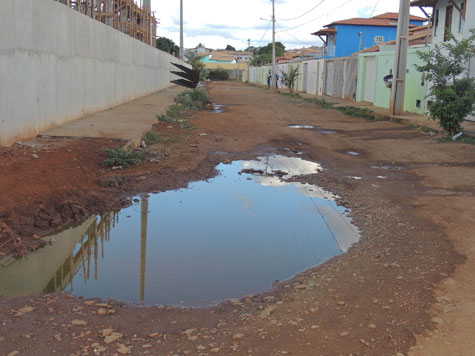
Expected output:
{"points": [[293, 166], [247, 203], [344, 232], [304, 188]]}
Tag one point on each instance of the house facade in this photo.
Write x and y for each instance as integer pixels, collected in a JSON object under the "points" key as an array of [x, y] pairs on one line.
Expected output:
{"points": [[345, 37], [451, 16], [456, 16]]}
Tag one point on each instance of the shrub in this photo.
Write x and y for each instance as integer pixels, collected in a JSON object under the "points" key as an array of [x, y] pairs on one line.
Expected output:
{"points": [[122, 157], [218, 74], [193, 98], [452, 93]]}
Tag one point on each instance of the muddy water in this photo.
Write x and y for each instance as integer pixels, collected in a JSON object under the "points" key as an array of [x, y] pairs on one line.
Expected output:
{"points": [[224, 238]]}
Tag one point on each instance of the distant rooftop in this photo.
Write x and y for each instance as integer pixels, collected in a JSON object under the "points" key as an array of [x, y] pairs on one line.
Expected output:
{"points": [[386, 19]]}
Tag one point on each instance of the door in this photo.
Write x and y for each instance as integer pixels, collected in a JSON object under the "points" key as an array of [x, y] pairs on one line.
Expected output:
{"points": [[318, 78], [305, 77], [448, 22], [370, 79]]}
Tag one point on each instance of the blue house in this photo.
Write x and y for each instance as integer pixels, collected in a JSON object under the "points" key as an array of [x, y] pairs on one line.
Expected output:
{"points": [[345, 37]]}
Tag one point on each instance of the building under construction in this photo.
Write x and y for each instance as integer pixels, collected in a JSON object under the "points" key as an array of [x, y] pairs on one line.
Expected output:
{"points": [[128, 16]]}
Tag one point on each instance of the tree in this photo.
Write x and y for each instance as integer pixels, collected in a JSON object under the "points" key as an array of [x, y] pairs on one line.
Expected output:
{"points": [[279, 49], [452, 95], [289, 78], [195, 60], [230, 48], [264, 54], [167, 45]]}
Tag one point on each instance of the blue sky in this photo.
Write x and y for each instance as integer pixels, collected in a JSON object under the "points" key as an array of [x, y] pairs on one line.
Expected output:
{"points": [[216, 23]]}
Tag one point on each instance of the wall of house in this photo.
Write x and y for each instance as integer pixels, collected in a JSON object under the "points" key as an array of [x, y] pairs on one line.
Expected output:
{"points": [[458, 31], [57, 65], [348, 41], [416, 86]]}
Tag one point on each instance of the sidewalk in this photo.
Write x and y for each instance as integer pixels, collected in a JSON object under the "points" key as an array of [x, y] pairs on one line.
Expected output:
{"points": [[416, 119], [127, 122]]}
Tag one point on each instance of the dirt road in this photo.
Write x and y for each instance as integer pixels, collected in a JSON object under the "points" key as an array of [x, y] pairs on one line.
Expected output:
{"points": [[407, 288]]}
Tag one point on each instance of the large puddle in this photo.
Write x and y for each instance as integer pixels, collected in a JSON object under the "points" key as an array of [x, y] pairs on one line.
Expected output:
{"points": [[224, 238]]}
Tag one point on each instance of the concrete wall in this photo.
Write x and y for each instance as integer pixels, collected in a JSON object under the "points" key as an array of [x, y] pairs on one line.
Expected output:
{"points": [[416, 86], [57, 65]]}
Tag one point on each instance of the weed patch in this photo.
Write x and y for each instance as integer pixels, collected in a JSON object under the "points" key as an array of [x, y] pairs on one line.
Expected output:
{"points": [[322, 102], [292, 95], [151, 138], [192, 99], [469, 140], [424, 129], [123, 158]]}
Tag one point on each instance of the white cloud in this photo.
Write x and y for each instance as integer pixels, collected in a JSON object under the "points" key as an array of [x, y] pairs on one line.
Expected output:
{"points": [[217, 23]]}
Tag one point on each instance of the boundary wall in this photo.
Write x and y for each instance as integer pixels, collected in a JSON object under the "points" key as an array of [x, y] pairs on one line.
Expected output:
{"points": [[57, 65]]}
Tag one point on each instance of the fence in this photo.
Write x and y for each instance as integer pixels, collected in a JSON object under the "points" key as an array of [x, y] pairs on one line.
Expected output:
{"points": [[57, 65]]}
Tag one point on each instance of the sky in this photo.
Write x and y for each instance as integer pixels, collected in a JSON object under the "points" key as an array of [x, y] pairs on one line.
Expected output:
{"points": [[217, 23]]}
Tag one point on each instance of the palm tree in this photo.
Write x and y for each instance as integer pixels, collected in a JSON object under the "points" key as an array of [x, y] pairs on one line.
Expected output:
{"points": [[289, 78]]}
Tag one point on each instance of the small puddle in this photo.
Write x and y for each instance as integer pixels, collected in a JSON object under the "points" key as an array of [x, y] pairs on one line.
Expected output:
{"points": [[382, 177], [353, 153], [223, 238], [355, 177], [303, 127], [218, 109], [327, 132]]}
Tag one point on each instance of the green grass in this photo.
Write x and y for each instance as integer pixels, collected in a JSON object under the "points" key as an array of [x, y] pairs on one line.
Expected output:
{"points": [[322, 102], [123, 158], [151, 138], [423, 129], [469, 140]]}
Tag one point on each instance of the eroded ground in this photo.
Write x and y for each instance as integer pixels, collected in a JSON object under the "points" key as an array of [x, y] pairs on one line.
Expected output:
{"points": [[407, 284]]}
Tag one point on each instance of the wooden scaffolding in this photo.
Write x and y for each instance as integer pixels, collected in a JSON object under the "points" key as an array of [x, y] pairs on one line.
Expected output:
{"points": [[128, 16]]}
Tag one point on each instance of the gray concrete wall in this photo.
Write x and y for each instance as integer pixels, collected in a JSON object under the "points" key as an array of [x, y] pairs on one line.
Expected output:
{"points": [[57, 65]]}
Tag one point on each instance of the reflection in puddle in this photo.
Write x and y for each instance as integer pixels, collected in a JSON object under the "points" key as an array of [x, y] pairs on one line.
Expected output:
{"points": [[218, 239], [382, 177], [307, 127], [355, 177], [353, 153], [218, 109], [327, 132]]}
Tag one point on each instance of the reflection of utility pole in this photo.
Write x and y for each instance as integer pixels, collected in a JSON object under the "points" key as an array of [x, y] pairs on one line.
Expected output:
{"points": [[143, 245], [396, 106], [273, 79]]}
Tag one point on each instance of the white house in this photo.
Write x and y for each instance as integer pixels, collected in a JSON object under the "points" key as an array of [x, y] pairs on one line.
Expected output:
{"points": [[456, 16]]}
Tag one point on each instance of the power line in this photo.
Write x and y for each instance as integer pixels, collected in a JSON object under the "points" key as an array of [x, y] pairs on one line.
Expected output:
{"points": [[374, 9], [265, 33], [313, 8], [306, 23]]}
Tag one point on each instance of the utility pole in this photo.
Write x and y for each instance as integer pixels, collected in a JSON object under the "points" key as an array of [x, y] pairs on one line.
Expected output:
{"points": [[273, 82], [396, 106], [182, 51], [248, 62]]}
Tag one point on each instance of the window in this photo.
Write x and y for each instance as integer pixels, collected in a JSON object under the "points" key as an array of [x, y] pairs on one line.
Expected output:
{"points": [[461, 21], [378, 39], [436, 26], [448, 22]]}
